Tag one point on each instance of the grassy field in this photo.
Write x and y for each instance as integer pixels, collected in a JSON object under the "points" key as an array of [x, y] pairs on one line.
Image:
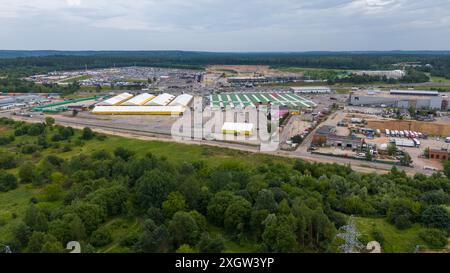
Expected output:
{"points": [[439, 80], [12, 208], [395, 240]]}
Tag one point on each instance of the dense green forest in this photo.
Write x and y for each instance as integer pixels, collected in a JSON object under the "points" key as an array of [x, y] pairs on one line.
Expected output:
{"points": [[113, 194], [22, 64]]}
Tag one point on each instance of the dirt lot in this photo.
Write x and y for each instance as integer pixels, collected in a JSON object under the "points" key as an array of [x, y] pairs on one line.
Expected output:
{"points": [[154, 124]]}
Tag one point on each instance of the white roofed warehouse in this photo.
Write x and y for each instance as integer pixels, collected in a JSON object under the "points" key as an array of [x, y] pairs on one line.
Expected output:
{"points": [[117, 100], [139, 100], [161, 100], [311, 90], [182, 100], [138, 110], [237, 128]]}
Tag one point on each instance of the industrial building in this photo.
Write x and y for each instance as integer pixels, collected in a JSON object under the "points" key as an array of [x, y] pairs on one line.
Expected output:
{"points": [[419, 99], [325, 135], [117, 100], [139, 100], [144, 104], [182, 100], [237, 128], [439, 154], [161, 100], [311, 90], [241, 81], [390, 74], [21, 100], [243, 100], [138, 110], [247, 80]]}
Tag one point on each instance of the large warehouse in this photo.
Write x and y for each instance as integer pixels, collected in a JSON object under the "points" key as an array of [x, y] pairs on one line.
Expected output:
{"points": [[419, 99], [390, 74], [138, 110], [182, 100], [237, 128], [117, 100], [144, 104], [253, 99], [311, 90], [139, 100], [161, 100]]}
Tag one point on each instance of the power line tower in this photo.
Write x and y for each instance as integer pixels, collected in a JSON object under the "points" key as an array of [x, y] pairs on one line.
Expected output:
{"points": [[7, 248], [349, 233]]}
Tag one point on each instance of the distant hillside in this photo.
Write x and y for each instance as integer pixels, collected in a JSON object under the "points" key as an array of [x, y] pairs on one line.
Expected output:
{"points": [[156, 53]]}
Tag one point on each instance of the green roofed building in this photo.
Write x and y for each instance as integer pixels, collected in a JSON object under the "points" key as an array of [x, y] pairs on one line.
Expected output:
{"points": [[243, 100]]}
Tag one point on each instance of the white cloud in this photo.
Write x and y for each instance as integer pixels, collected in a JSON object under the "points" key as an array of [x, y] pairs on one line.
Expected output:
{"points": [[73, 3], [227, 24]]}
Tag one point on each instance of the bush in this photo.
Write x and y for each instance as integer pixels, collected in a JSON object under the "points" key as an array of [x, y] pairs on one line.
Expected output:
{"points": [[402, 213], [8, 161], [101, 237], [53, 192], [209, 244], [29, 149], [87, 133], [434, 238], [378, 236], [7, 182], [436, 217], [4, 140], [66, 148], [123, 153], [27, 172], [130, 239]]}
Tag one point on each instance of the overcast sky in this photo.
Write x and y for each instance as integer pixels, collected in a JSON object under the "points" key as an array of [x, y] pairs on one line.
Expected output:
{"points": [[225, 25]]}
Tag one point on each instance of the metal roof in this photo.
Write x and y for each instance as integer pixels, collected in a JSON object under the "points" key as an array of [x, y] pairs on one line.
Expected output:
{"points": [[138, 110], [237, 127], [182, 100], [161, 100], [139, 100], [415, 92], [116, 100]]}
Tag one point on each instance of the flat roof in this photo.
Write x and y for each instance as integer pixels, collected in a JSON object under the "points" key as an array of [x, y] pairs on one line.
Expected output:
{"points": [[401, 95], [325, 130], [253, 99], [138, 110], [237, 127], [182, 100], [161, 100], [139, 99], [118, 99], [310, 87], [415, 92]]}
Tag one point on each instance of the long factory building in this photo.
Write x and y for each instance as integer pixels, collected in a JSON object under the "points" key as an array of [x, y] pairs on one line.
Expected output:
{"points": [[144, 104], [419, 99]]}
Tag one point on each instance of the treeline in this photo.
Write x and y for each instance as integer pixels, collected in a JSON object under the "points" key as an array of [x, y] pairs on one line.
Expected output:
{"points": [[13, 69], [275, 207], [365, 61], [17, 85]]}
